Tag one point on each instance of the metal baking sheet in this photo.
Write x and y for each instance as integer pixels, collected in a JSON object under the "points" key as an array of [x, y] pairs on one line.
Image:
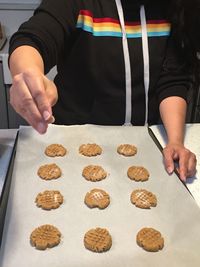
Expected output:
{"points": [[176, 216], [8, 139]]}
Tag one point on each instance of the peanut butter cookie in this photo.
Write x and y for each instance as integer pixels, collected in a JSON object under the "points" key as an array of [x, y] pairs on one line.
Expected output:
{"points": [[98, 240], [90, 150], [144, 199], [45, 236], [55, 150], [127, 150], [150, 239], [94, 173], [138, 173], [49, 171], [97, 198], [49, 199]]}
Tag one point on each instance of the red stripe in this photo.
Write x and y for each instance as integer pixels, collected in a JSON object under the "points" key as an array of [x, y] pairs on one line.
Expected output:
{"points": [[136, 23], [157, 21], [99, 20], [86, 12]]}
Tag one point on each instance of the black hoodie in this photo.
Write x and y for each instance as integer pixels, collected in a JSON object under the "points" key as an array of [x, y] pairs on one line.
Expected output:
{"points": [[84, 39]]}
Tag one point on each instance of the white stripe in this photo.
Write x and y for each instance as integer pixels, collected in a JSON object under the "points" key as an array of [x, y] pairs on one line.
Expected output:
{"points": [[127, 64], [145, 49]]}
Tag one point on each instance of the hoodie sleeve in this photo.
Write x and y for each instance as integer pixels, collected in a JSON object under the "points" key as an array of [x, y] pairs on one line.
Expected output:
{"points": [[175, 78], [48, 30]]}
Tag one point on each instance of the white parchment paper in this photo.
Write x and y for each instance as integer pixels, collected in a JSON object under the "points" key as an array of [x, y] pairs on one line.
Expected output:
{"points": [[176, 216]]}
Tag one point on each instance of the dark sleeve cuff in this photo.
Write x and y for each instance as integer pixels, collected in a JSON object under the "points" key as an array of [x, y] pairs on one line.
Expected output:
{"points": [[176, 90]]}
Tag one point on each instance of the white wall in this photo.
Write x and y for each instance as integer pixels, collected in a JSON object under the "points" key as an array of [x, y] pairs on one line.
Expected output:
{"points": [[11, 19], [11, 2]]}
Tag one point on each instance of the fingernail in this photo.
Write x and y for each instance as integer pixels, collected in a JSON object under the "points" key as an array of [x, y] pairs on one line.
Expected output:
{"points": [[41, 127], [183, 178], [52, 119], [170, 170], [46, 115]]}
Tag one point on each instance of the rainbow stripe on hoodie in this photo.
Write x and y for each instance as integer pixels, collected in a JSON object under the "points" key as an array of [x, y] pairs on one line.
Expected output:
{"points": [[111, 27]]}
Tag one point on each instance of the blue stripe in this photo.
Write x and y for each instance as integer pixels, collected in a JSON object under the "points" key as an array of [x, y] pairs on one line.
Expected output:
{"points": [[134, 35], [152, 34]]}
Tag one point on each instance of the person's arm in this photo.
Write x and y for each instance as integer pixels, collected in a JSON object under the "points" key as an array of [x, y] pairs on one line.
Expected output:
{"points": [[173, 113], [34, 49], [31, 94], [39, 44]]}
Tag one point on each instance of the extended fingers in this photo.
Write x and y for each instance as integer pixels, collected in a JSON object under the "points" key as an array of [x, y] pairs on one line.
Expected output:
{"points": [[169, 156], [187, 164], [37, 89], [32, 96], [45, 96], [22, 100], [185, 158], [24, 104]]}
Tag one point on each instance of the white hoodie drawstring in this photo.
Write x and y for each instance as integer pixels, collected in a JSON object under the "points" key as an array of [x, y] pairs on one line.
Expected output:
{"points": [[127, 64], [145, 48]]}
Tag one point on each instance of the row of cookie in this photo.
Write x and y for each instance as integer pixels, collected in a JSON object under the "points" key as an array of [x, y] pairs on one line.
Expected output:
{"points": [[92, 172], [95, 198], [96, 240], [89, 150]]}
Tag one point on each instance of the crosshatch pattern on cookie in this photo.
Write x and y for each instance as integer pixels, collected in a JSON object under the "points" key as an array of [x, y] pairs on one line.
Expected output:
{"points": [[98, 240], [97, 198], [90, 150], [49, 171], [144, 199], [55, 150], [127, 150], [138, 173], [150, 239], [45, 236], [49, 199], [94, 173]]}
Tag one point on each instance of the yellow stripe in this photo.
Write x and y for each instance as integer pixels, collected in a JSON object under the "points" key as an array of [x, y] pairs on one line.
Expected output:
{"points": [[158, 27], [87, 19]]}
